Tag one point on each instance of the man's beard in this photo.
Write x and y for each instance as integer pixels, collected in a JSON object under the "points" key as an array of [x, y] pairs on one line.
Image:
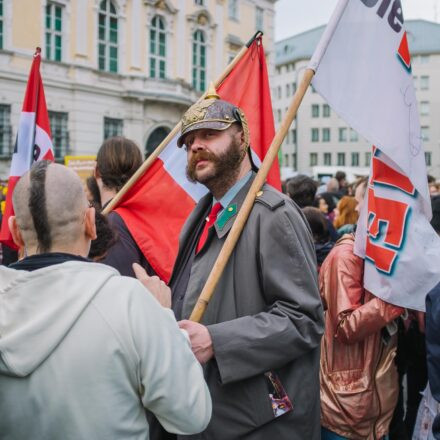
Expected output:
{"points": [[225, 167]]}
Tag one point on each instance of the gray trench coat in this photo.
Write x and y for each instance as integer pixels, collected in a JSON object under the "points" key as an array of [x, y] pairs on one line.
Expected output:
{"points": [[266, 315]]}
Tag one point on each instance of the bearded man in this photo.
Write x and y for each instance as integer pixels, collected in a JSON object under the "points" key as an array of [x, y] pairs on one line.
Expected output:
{"points": [[259, 338]]}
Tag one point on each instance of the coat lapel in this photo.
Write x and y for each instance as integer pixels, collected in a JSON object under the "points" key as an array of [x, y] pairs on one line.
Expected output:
{"points": [[188, 230]]}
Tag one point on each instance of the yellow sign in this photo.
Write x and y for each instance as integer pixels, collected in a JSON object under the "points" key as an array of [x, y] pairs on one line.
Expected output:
{"points": [[82, 165]]}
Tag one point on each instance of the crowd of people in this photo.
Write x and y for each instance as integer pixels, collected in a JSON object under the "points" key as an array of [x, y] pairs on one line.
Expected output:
{"points": [[94, 345]]}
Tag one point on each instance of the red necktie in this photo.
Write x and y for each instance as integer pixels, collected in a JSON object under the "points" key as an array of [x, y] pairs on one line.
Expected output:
{"points": [[210, 220]]}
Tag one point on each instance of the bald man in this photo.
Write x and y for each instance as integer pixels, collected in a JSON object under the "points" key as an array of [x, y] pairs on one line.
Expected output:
{"points": [[83, 350]]}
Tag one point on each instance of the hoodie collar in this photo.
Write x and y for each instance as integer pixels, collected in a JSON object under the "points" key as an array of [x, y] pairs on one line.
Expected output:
{"points": [[39, 261]]}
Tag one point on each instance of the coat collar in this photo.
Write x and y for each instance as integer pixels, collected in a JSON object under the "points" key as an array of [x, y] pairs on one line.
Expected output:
{"points": [[227, 218]]}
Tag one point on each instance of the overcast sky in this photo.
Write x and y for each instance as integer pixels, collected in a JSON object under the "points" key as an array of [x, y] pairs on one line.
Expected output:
{"points": [[295, 16]]}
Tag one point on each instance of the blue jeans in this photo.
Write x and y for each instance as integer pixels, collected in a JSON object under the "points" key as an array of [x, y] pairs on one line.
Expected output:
{"points": [[329, 435]]}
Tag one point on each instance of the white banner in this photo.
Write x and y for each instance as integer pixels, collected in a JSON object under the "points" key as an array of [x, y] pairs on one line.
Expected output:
{"points": [[363, 70]]}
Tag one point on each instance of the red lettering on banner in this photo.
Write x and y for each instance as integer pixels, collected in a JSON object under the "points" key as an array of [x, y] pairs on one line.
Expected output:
{"points": [[385, 175], [392, 216], [382, 257]]}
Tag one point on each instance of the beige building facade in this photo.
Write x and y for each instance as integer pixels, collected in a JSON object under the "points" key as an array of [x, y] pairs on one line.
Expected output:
{"points": [[319, 140], [118, 67]]}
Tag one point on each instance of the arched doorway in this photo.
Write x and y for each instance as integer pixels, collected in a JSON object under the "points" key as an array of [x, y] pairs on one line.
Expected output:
{"points": [[155, 138]]}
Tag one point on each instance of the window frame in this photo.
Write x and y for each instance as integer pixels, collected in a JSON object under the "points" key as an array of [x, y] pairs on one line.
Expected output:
{"points": [[424, 82], [199, 57], [259, 18], [428, 158], [315, 110], [59, 127], [339, 162], [354, 136], [2, 16], [233, 9], [354, 159], [108, 50], [342, 134], [53, 51], [424, 133], [117, 123], [158, 61], [367, 158], [424, 108], [6, 147]]}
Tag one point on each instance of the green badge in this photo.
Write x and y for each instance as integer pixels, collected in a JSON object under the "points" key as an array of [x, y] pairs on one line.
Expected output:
{"points": [[227, 213]]}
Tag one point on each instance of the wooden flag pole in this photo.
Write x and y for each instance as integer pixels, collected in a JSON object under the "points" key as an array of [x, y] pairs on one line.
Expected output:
{"points": [[149, 161], [240, 221]]}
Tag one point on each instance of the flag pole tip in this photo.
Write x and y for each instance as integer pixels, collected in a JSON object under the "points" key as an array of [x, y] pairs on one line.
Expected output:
{"points": [[258, 34]]}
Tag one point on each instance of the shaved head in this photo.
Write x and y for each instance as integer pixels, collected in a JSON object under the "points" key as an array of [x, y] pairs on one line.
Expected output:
{"points": [[50, 204]]}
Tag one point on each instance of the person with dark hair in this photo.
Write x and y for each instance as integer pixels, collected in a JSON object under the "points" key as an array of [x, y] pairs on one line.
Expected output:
{"points": [[359, 385], [331, 201], [321, 236], [302, 190], [105, 238], [93, 194], [117, 160], [259, 338], [84, 351], [325, 203], [341, 177]]}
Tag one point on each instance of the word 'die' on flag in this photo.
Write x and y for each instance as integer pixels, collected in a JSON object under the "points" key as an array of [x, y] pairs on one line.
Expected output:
{"points": [[33, 139], [156, 207], [363, 70]]}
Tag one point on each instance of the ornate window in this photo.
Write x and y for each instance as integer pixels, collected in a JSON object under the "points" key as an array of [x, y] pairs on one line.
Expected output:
{"points": [[54, 27], [157, 48], [60, 134], [199, 61], [107, 37]]}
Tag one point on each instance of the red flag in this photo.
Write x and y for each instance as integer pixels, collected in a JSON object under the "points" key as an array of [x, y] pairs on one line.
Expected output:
{"points": [[33, 140], [156, 207], [247, 86]]}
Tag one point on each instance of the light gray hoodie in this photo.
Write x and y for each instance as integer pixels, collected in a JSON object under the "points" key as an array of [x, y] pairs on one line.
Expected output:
{"points": [[83, 351]]}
